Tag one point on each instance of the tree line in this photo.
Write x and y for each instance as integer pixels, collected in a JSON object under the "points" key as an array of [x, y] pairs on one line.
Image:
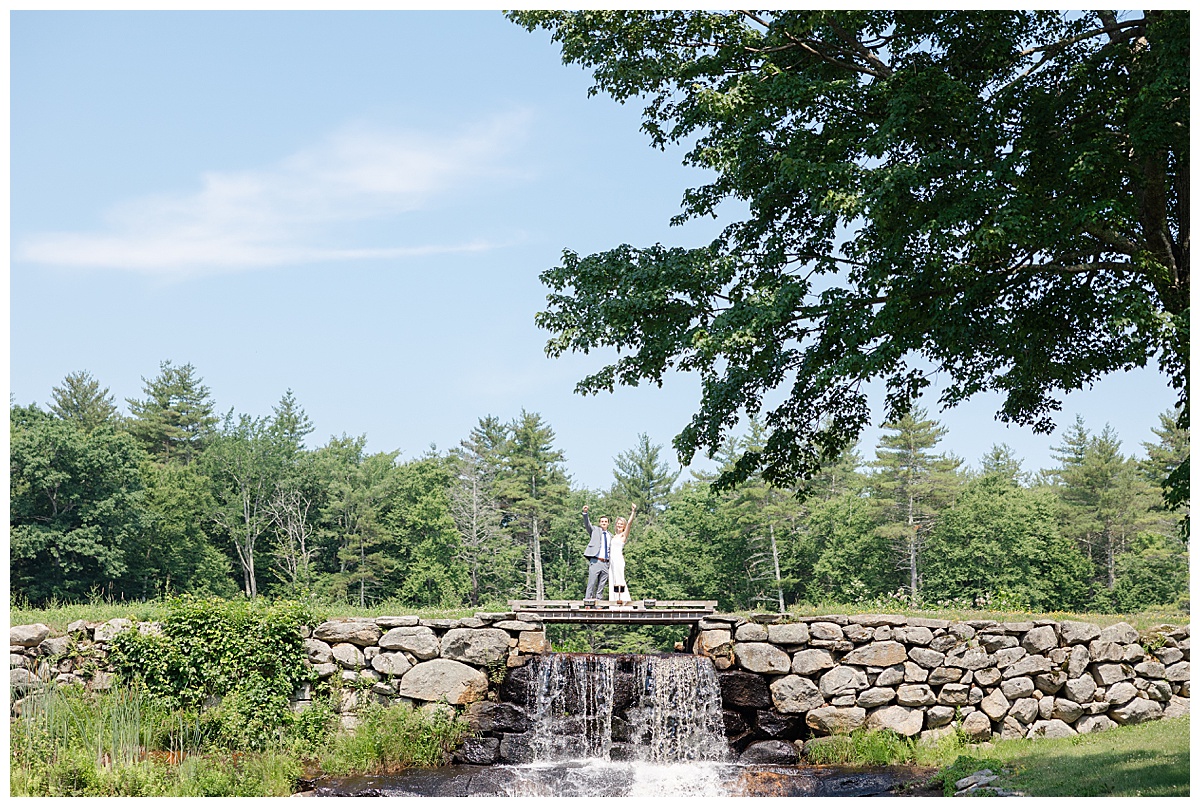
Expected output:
{"points": [[173, 497]]}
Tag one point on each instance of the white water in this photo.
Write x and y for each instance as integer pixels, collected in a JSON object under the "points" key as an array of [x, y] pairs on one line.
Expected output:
{"points": [[674, 715]]}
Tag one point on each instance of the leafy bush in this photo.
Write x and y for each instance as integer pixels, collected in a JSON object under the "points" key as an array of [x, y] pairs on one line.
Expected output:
{"points": [[246, 657]]}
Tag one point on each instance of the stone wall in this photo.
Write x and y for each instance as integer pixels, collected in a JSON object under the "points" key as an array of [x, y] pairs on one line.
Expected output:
{"points": [[919, 677], [781, 683], [387, 659]]}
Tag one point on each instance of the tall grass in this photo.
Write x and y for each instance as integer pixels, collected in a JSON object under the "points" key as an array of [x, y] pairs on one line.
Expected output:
{"points": [[395, 737]]}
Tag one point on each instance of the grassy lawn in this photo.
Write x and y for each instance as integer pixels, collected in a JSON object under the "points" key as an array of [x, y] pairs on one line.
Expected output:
{"points": [[1152, 759], [58, 616]]}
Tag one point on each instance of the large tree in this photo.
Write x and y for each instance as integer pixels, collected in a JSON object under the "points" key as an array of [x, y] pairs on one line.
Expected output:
{"points": [[175, 419], [83, 400], [999, 197]]}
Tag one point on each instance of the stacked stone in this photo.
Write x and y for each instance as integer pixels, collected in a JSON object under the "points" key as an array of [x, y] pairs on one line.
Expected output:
{"points": [[389, 659], [79, 657], [832, 674], [407, 659]]}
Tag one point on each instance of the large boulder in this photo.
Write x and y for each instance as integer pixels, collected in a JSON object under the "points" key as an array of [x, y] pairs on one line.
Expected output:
{"points": [[712, 642], [761, 657], [977, 727], [875, 696], [1050, 729], [877, 654], [791, 634], [1121, 633], [1093, 723], [349, 656], [318, 652], [793, 694], [391, 664], [807, 662], [447, 679], [419, 640], [843, 680], [533, 642], [1039, 640], [1080, 689], [927, 657], [974, 658], [475, 645], [995, 705], [360, 632], [915, 695], [1078, 632], [1138, 710], [28, 635], [903, 720], [836, 719]]}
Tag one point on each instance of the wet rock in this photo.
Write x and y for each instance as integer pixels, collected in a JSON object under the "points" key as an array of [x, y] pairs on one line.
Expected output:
{"points": [[478, 751], [520, 686], [778, 726], [744, 690], [770, 752]]}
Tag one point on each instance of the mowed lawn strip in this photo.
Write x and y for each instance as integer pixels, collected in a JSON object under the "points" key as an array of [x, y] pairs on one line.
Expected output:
{"points": [[1152, 759]]}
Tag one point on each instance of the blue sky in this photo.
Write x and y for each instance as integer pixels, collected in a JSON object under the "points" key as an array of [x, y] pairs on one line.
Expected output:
{"points": [[355, 206]]}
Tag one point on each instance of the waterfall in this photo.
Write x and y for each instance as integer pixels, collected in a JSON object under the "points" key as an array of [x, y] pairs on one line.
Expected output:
{"points": [[660, 709]]}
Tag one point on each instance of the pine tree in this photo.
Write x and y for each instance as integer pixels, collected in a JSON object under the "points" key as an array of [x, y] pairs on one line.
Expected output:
{"points": [[176, 418], [1162, 464], [1003, 462], [81, 399], [1105, 499], [531, 487], [487, 553], [912, 485], [642, 478]]}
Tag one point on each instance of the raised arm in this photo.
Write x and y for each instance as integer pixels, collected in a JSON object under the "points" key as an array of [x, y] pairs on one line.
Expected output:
{"points": [[587, 524], [629, 521]]}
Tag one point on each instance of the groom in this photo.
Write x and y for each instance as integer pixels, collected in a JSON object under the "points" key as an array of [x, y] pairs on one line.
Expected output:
{"points": [[599, 543]]}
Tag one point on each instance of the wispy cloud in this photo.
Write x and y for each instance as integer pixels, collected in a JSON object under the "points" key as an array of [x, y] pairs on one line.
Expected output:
{"points": [[293, 211]]}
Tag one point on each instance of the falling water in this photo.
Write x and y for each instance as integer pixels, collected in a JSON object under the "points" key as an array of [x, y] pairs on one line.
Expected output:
{"points": [[667, 709]]}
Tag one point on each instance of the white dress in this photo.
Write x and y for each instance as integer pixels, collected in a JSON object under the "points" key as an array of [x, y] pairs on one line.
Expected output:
{"points": [[618, 591]]}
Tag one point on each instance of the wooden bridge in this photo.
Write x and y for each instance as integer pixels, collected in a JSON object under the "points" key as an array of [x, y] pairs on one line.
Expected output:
{"points": [[639, 612]]}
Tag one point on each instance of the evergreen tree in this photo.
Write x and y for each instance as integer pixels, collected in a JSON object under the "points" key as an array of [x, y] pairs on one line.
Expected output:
{"points": [[422, 538], [82, 400], [1001, 461], [1105, 500], [175, 419], [911, 485], [1163, 462], [290, 422], [487, 553], [532, 487], [1000, 540], [642, 478], [358, 487]]}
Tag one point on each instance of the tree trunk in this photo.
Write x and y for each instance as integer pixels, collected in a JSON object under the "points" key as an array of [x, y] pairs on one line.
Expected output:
{"points": [[778, 577], [537, 563]]}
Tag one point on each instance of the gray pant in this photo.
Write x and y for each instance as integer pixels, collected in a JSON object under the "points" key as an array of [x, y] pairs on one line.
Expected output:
{"points": [[597, 578]]}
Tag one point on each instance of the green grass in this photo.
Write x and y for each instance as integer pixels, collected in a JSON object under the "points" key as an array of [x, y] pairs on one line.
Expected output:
{"points": [[1152, 759], [394, 737]]}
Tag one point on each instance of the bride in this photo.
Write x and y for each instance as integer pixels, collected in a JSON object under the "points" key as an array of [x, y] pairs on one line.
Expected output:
{"points": [[618, 591]]}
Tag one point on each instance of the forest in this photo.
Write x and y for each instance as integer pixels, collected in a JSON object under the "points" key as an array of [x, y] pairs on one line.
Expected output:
{"points": [[171, 497]]}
